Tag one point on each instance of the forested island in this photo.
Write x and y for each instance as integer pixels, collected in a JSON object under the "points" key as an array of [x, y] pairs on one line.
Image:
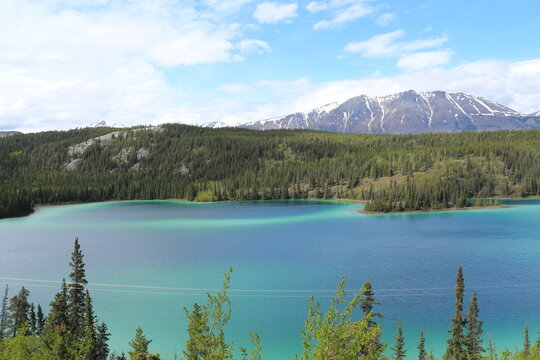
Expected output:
{"points": [[348, 329], [391, 173]]}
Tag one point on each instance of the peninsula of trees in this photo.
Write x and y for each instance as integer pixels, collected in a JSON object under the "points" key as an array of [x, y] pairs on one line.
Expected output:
{"points": [[390, 172]]}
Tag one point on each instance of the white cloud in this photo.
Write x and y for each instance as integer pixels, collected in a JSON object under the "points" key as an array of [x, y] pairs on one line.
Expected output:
{"points": [[385, 45], [253, 46], [385, 19], [424, 60], [343, 11], [316, 6], [407, 52], [272, 13], [67, 64]]}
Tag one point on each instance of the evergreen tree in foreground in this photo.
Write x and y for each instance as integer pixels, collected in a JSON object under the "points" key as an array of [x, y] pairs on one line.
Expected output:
{"points": [[399, 349], [422, 355], [198, 334], [40, 320], [58, 315], [87, 347], [19, 311], [456, 349], [77, 294], [526, 340], [4, 314], [139, 347], [474, 331], [368, 301]]}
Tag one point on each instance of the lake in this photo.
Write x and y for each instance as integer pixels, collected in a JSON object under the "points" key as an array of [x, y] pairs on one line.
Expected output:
{"points": [[165, 253]]}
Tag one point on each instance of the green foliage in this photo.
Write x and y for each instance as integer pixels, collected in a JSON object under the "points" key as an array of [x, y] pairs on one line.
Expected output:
{"points": [[422, 355], [335, 335], [456, 349], [474, 331], [77, 297], [391, 172], [139, 347], [399, 348]]}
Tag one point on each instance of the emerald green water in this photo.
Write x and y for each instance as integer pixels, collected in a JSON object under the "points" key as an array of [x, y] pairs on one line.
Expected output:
{"points": [[281, 253]]}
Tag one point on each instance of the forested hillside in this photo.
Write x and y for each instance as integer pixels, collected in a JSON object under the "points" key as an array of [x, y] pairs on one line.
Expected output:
{"points": [[392, 172]]}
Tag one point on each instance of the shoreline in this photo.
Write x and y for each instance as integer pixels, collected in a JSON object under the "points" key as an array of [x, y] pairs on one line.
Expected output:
{"points": [[362, 211]]}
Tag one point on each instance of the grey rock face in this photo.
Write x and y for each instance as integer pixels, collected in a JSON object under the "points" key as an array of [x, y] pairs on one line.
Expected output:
{"points": [[74, 164], [409, 112]]}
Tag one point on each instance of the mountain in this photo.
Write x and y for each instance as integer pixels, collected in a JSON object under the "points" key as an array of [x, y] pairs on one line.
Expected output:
{"points": [[4, 134], [408, 112], [104, 123], [535, 114], [215, 124]]}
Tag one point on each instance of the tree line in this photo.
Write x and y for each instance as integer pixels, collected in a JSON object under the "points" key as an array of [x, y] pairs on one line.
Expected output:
{"points": [[390, 172], [346, 330]]}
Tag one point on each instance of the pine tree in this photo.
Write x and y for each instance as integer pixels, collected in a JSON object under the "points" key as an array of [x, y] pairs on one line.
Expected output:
{"points": [[58, 315], [87, 347], [198, 337], [19, 311], [32, 325], [457, 341], [40, 320], [474, 331], [526, 340], [4, 314], [139, 346], [102, 348], [368, 301], [399, 349], [422, 355], [77, 295]]}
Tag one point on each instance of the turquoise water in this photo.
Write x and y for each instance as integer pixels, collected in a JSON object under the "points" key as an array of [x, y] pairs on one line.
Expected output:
{"points": [[290, 250]]}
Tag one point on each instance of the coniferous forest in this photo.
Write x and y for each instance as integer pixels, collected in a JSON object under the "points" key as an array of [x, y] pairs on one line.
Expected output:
{"points": [[347, 329], [390, 172]]}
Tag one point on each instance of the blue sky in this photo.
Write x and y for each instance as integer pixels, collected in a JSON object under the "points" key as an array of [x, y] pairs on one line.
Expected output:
{"points": [[68, 63]]}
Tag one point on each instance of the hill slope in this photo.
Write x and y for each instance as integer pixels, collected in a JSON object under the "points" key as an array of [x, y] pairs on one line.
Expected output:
{"points": [[395, 172]]}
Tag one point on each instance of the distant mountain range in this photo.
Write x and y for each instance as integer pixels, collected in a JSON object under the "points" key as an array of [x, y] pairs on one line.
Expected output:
{"points": [[4, 134], [104, 123], [408, 112]]}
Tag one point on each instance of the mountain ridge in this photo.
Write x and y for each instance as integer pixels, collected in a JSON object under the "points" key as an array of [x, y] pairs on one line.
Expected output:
{"points": [[408, 112]]}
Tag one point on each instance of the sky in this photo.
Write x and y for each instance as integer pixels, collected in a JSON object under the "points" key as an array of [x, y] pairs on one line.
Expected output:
{"points": [[69, 63]]}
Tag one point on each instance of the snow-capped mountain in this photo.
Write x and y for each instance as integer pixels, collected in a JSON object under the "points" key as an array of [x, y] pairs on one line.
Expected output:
{"points": [[215, 124], [104, 123], [535, 114], [408, 112]]}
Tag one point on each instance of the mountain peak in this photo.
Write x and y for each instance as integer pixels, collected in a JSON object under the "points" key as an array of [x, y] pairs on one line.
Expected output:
{"points": [[407, 112]]}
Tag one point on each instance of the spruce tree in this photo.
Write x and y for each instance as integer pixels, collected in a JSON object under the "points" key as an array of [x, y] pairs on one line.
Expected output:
{"points": [[32, 321], [474, 331], [19, 311], [422, 355], [198, 337], [4, 314], [456, 343], [102, 348], [368, 301], [77, 295], [399, 349], [139, 346], [526, 340], [40, 320], [87, 347], [58, 314]]}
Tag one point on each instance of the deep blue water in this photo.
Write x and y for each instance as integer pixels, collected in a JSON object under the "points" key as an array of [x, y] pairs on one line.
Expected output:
{"points": [[290, 250]]}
